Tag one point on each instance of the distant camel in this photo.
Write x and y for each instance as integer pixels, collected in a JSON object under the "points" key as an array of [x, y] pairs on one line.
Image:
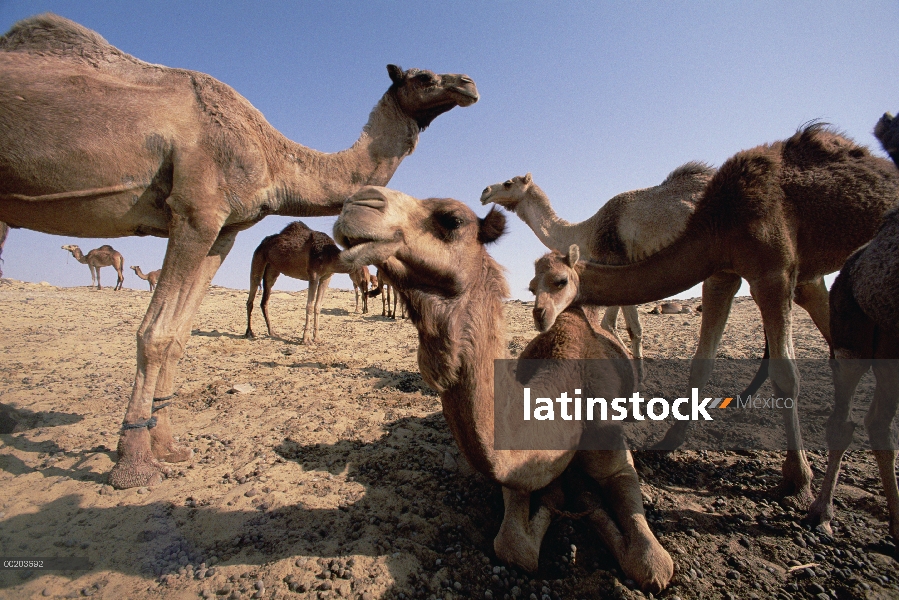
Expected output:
{"points": [[390, 297], [172, 153], [300, 253], [864, 322], [765, 217], [362, 280], [4, 231], [434, 252], [152, 277], [104, 256]]}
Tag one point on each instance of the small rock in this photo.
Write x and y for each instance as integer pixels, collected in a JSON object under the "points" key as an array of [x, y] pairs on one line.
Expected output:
{"points": [[251, 492], [449, 463], [143, 490], [242, 388]]}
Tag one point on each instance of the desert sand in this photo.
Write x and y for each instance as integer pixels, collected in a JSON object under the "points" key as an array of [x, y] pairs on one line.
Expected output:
{"points": [[326, 470]]}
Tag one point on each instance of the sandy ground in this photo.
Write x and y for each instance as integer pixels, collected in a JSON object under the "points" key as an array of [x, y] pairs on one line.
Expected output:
{"points": [[335, 476]]}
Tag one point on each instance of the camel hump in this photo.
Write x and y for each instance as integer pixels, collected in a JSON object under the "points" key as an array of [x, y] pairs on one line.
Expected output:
{"points": [[819, 143], [107, 248], [690, 170], [52, 34], [294, 228]]}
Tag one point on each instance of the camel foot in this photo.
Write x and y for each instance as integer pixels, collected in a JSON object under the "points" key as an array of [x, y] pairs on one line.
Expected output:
{"points": [[517, 551], [136, 466], [650, 565], [249, 335], [797, 495], [818, 517]]}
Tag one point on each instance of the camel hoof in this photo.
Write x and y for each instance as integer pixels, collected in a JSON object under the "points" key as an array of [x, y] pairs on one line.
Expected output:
{"points": [[517, 553], [136, 473], [797, 496], [651, 567], [819, 517]]}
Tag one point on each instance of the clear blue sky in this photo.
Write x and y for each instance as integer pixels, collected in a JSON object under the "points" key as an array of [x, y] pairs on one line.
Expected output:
{"points": [[593, 98]]}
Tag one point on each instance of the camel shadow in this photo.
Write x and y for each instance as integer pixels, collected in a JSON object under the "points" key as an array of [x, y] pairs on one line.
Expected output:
{"points": [[342, 312], [21, 419], [49, 452], [215, 333]]}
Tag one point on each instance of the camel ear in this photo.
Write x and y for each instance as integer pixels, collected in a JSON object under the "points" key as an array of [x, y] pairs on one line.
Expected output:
{"points": [[396, 73], [527, 178], [491, 227], [574, 254]]}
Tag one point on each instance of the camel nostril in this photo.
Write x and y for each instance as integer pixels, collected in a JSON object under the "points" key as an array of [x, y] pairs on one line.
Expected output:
{"points": [[486, 189]]}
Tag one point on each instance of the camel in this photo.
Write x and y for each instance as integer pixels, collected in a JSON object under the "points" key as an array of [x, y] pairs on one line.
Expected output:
{"points": [[110, 146], [152, 277], [300, 253], [4, 231], [864, 323], [762, 218], [362, 280], [628, 228], [104, 256], [389, 294], [434, 252]]}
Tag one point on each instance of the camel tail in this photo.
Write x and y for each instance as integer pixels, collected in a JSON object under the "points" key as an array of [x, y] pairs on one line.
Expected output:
{"points": [[689, 260], [257, 270]]}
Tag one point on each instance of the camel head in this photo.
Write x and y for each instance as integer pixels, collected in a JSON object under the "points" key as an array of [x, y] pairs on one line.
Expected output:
{"points": [[75, 250], [887, 131], [555, 285], [425, 95], [433, 246], [508, 193]]}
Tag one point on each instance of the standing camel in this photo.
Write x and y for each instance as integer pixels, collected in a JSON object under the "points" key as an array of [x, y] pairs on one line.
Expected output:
{"points": [[628, 228], [362, 281], [178, 154], [300, 253], [864, 322], [104, 256], [152, 277], [434, 252], [390, 297], [4, 231], [780, 216]]}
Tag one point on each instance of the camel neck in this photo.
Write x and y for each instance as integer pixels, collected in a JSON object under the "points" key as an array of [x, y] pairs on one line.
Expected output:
{"points": [[555, 233], [692, 258], [78, 255], [314, 183]]}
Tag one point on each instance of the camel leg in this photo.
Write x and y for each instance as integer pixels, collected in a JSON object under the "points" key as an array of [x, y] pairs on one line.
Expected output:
{"points": [[813, 297], [319, 298], [610, 322], [774, 299], [356, 290], [628, 536], [718, 293], [635, 331], [846, 375], [95, 276], [269, 277], [194, 253], [520, 534], [310, 305], [878, 422]]}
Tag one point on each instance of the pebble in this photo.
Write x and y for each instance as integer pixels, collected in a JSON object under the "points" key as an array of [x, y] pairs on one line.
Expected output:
{"points": [[251, 492], [143, 490]]}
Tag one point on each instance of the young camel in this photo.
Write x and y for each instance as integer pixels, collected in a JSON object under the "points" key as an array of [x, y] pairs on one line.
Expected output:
{"points": [[300, 253], [763, 218], [111, 146], [864, 323], [104, 256], [152, 277], [362, 280], [434, 252]]}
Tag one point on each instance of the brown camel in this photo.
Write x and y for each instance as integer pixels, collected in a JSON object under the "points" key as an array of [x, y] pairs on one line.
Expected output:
{"points": [[864, 322], [434, 252], [152, 277], [390, 297], [628, 228], [104, 256], [4, 231], [362, 280], [763, 218], [300, 253], [177, 154]]}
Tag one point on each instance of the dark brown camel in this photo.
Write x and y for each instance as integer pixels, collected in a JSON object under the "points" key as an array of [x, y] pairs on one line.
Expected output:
{"points": [[178, 154], [300, 253], [362, 281], [780, 216], [104, 256], [4, 231], [390, 297], [864, 323]]}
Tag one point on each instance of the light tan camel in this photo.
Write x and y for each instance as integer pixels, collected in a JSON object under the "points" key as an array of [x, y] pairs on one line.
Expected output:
{"points": [[104, 256], [172, 153], [864, 322], [763, 218], [4, 231], [434, 252], [362, 281], [300, 253], [152, 277], [628, 228]]}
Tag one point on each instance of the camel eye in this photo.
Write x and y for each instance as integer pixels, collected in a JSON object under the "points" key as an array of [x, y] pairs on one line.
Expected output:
{"points": [[426, 78], [449, 221], [560, 283], [507, 184]]}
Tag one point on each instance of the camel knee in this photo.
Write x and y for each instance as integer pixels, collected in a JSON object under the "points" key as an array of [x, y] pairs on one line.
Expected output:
{"points": [[838, 434]]}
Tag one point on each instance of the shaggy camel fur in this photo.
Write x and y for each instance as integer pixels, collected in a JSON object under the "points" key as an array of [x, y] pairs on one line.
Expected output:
{"points": [[109, 146], [4, 231], [300, 253], [152, 277], [104, 256], [362, 281], [864, 322], [628, 228], [433, 251], [763, 218]]}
